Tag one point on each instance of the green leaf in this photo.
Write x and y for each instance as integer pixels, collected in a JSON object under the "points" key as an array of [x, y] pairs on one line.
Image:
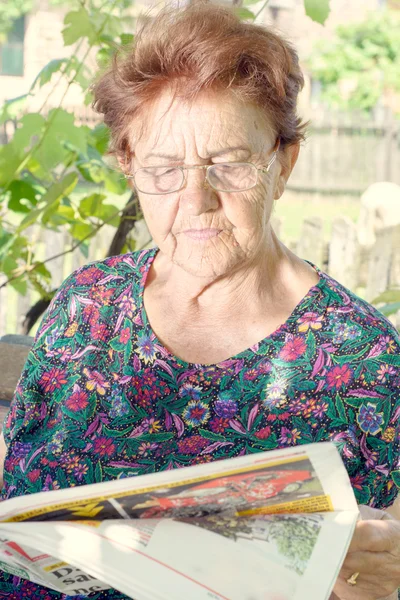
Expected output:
{"points": [[12, 108], [9, 265], [45, 75], [31, 126], [317, 10], [20, 285], [389, 295], [127, 38], [396, 477], [78, 25], [80, 231], [209, 435], [52, 196], [98, 473], [340, 409], [310, 345], [110, 214], [10, 161], [355, 402], [61, 136], [21, 190], [244, 14], [99, 137], [90, 206], [389, 309], [390, 359]]}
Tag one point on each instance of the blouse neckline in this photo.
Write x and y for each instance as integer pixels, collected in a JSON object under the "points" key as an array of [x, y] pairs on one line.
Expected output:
{"points": [[297, 311]]}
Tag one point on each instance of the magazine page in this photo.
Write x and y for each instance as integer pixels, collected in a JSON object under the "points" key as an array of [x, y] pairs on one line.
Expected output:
{"points": [[261, 557], [309, 478]]}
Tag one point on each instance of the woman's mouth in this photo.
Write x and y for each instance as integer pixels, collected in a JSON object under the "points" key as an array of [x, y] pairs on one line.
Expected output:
{"points": [[202, 234]]}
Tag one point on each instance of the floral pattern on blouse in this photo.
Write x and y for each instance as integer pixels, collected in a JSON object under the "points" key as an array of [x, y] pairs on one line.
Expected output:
{"points": [[101, 398]]}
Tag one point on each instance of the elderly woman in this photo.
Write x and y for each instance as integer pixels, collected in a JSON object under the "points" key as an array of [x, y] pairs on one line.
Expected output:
{"points": [[219, 341]]}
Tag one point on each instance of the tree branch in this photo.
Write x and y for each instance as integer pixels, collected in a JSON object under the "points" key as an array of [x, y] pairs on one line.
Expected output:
{"points": [[130, 215]]}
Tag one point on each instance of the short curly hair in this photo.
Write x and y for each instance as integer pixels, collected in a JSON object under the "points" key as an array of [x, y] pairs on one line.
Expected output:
{"points": [[200, 47]]}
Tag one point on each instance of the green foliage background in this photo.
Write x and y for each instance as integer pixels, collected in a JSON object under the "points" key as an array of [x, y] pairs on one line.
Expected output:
{"points": [[365, 54]]}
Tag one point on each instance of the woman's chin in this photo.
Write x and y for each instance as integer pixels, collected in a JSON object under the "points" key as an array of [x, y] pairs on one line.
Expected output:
{"points": [[206, 260]]}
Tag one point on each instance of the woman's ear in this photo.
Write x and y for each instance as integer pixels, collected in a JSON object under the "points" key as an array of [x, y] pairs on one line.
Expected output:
{"points": [[287, 160], [124, 157]]}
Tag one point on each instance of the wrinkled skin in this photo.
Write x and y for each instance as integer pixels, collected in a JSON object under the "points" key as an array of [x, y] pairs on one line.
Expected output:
{"points": [[192, 134]]}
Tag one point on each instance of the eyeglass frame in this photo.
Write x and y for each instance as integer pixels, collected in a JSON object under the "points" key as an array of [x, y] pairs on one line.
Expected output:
{"points": [[264, 169]]}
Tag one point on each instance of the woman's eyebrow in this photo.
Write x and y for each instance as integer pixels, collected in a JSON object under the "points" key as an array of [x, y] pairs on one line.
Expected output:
{"points": [[210, 154]]}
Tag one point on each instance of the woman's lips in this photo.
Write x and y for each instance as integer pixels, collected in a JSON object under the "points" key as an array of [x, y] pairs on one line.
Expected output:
{"points": [[202, 234]]}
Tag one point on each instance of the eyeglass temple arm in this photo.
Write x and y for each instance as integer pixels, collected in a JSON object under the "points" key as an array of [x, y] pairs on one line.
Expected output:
{"points": [[273, 157]]}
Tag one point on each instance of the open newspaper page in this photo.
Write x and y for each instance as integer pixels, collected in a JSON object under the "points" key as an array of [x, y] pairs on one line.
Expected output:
{"points": [[270, 526]]}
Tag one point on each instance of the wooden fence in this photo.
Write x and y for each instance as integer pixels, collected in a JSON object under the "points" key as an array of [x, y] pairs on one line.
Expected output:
{"points": [[368, 273], [345, 152]]}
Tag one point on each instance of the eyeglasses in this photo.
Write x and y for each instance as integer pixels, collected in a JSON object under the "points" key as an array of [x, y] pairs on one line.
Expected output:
{"points": [[223, 177]]}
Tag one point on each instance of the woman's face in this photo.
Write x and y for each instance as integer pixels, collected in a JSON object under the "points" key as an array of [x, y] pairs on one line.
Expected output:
{"points": [[206, 232]]}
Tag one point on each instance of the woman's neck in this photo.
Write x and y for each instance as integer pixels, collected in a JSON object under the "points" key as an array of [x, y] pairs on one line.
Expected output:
{"points": [[261, 282]]}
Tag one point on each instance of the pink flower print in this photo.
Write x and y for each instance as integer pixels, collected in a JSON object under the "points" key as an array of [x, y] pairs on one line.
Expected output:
{"points": [[251, 374], [219, 424], [96, 381], [384, 371], [125, 335], [320, 410], [64, 353], [98, 331], [146, 448], [310, 320], [338, 377], [101, 294], [80, 471], [53, 379], [88, 275], [127, 306], [77, 401], [358, 481], [33, 475], [263, 433], [293, 349], [104, 446], [289, 436], [193, 444], [91, 314]]}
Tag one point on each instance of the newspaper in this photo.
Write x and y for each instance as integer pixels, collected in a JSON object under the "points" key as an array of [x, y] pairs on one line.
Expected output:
{"points": [[268, 526]]}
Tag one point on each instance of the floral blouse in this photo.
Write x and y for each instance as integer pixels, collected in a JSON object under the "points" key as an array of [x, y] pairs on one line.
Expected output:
{"points": [[101, 398]]}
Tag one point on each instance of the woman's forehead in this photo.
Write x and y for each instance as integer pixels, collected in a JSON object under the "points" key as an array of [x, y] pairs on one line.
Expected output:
{"points": [[209, 124]]}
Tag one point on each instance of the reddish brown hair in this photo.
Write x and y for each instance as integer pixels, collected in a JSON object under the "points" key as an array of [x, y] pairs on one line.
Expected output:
{"points": [[201, 47]]}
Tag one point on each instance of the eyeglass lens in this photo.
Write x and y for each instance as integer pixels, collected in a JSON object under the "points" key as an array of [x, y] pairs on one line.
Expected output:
{"points": [[224, 177]]}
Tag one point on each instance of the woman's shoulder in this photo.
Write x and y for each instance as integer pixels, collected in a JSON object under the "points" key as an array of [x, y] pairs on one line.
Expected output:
{"points": [[114, 272], [346, 305]]}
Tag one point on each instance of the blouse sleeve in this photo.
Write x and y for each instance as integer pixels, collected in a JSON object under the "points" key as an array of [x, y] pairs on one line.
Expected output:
{"points": [[375, 468], [40, 371]]}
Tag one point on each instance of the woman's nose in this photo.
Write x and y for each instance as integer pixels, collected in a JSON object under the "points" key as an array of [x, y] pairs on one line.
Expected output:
{"points": [[197, 196]]}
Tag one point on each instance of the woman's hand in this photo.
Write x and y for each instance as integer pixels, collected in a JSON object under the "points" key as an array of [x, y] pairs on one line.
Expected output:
{"points": [[374, 553]]}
